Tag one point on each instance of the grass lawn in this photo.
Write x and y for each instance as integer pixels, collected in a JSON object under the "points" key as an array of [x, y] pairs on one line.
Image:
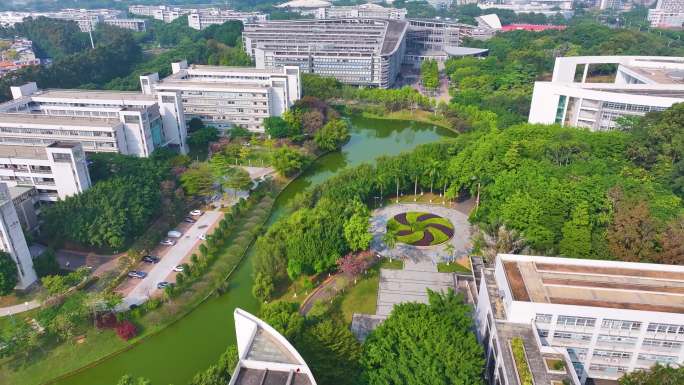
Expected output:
{"points": [[415, 115], [300, 287], [362, 297], [394, 264], [442, 267]]}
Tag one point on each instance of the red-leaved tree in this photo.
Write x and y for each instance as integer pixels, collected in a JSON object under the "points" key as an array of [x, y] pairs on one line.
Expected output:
{"points": [[126, 330]]}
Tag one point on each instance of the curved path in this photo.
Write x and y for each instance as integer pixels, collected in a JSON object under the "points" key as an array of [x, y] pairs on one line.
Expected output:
{"points": [[426, 257]]}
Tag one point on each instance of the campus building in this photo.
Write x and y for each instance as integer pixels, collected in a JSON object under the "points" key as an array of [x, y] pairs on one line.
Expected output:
{"points": [[667, 14], [265, 356], [12, 240], [229, 96], [129, 123], [159, 12], [639, 84], [599, 319], [87, 19], [364, 11], [135, 25], [363, 52], [202, 18], [57, 171], [305, 7]]}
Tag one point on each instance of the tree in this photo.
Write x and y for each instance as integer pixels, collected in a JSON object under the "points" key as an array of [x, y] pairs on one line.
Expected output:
{"points": [[632, 236], [672, 244], [126, 330], [203, 136], [128, 380], [197, 180], [356, 232], [276, 127], [332, 353], [429, 74], [332, 135], [220, 372], [262, 288], [238, 179], [390, 239], [9, 276], [284, 317], [355, 264], [657, 375], [46, 264], [424, 343], [195, 124], [288, 161], [576, 240]]}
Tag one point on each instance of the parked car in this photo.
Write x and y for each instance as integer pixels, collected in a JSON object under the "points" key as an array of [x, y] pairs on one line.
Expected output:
{"points": [[150, 259], [164, 284], [189, 220], [168, 242], [137, 274], [196, 213], [179, 268], [174, 234], [202, 237]]}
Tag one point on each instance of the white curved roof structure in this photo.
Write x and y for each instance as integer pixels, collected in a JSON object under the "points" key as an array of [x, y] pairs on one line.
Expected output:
{"points": [[305, 4], [265, 356]]}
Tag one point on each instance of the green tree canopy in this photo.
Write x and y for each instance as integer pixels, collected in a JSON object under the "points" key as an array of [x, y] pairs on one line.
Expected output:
{"points": [[9, 276]]}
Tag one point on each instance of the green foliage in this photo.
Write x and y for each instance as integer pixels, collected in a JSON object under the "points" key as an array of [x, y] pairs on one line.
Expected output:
{"points": [[289, 161], [197, 180], [9, 275], [332, 135], [58, 284], [238, 179], [262, 287], [46, 263], [277, 127], [128, 380], [356, 232], [332, 353], [429, 74], [321, 87], [203, 136], [424, 343], [285, 318], [524, 373], [52, 38], [657, 375], [220, 372], [195, 124]]}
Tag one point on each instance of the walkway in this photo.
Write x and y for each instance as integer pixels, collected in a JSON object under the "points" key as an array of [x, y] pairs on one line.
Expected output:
{"points": [[173, 257], [19, 308]]}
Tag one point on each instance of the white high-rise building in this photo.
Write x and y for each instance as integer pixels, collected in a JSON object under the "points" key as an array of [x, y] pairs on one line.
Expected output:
{"points": [[667, 14], [12, 240], [641, 84], [202, 18], [602, 319], [370, 11], [130, 123], [229, 96], [159, 12]]}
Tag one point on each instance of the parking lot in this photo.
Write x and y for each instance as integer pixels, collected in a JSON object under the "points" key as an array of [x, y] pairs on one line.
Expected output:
{"points": [[137, 291]]}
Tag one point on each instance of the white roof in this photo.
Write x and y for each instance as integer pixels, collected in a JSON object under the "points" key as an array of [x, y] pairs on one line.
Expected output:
{"points": [[492, 20], [305, 4]]}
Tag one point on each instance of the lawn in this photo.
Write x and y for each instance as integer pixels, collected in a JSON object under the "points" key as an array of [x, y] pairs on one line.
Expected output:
{"points": [[454, 267], [362, 297], [420, 228], [393, 264]]}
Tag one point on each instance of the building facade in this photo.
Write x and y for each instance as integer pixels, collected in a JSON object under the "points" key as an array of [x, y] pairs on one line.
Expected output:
{"points": [[641, 84], [159, 12], [202, 18], [135, 25], [364, 52], [667, 14], [364, 11], [129, 123], [606, 318], [229, 96], [12, 240], [57, 171]]}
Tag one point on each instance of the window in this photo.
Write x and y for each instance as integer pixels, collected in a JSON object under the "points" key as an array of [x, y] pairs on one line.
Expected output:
{"points": [[665, 328], [543, 333], [168, 99], [131, 119], [62, 158], [657, 358], [670, 345], [616, 340], [575, 321], [572, 336], [543, 318], [612, 354], [620, 324]]}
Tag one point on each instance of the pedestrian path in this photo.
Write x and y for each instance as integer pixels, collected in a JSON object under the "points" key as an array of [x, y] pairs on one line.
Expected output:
{"points": [[20, 308]]}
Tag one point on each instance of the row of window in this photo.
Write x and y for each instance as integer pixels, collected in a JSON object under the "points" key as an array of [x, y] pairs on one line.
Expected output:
{"points": [[49, 131], [612, 324]]}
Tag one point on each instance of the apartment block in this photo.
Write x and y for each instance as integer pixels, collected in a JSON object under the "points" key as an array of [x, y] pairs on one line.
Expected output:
{"points": [[639, 84], [12, 240], [57, 171], [229, 96], [363, 52], [601, 318], [369, 11], [202, 18], [129, 123], [136, 25], [667, 14]]}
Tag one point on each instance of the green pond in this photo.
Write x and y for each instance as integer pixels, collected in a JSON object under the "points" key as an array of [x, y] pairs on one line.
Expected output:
{"points": [[190, 345]]}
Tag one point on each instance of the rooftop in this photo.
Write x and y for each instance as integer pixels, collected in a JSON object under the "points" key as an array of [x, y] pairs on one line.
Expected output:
{"points": [[660, 75], [305, 4], [617, 285], [23, 118], [23, 152], [93, 95]]}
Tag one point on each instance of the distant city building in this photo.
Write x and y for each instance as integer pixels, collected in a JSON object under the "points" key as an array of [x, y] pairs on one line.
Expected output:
{"points": [[370, 11], [532, 27], [364, 52], [610, 4], [667, 14], [15, 54], [599, 319], [642, 84], [265, 356], [229, 96], [129, 123], [203, 18], [159, 12], [136, 25], [305, 7], [12, 239], [87, 19], [56, 171]]}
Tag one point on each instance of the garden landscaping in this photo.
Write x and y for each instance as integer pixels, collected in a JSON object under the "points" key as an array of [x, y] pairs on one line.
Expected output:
{"points": [[420, 229]]}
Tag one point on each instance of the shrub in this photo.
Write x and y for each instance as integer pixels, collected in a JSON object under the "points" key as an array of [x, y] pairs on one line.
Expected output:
{"points": [[126, 330], [106, 320], [521, 364]]}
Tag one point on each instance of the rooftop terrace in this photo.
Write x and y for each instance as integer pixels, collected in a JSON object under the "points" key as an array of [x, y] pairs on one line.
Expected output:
{"points": [[23, 152], [611, 285], [8, 119]]}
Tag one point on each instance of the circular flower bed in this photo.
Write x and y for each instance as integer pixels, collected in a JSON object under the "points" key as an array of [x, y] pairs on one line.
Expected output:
{"points": [[421, 229]]}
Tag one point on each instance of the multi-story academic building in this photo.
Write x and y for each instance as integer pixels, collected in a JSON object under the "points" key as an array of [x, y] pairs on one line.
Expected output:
{"points": [[229, 96], [159, 12], [578, 319], [641, 84], [57, 171], [667, 14], [12, 239], [129, 123], [364, 52], [202, 18], [370, 11]]}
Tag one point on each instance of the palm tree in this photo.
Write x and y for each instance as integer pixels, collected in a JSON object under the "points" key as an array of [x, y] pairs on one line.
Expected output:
{"points": [[432, 171], [390, 239], [450, 249]]}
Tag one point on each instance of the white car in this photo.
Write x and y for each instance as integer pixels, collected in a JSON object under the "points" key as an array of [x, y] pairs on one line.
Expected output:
{"points": [[202, 237], [167, 242], [174, 234], [178, 268], [196, 213]]}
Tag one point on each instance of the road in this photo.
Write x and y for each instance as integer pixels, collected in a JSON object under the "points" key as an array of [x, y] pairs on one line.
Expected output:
{"points": [[175, 255]]}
